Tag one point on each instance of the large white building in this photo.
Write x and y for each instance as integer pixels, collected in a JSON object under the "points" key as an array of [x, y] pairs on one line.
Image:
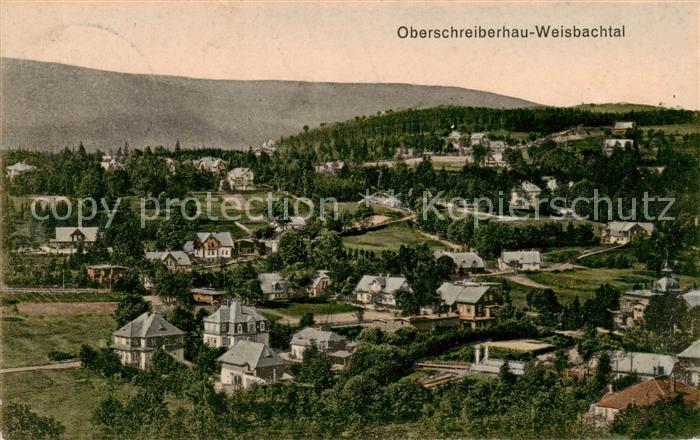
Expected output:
{"points": [[251, 363], [380, 290], [235, 322]]}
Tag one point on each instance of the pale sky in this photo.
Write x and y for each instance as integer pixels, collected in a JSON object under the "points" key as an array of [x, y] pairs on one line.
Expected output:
{"points": [[658, 61]]}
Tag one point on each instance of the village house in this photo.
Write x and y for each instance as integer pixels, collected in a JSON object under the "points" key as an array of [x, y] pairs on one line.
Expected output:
{"points": [[171, 165], [621, 127], [173, 260], [464, 262], [610, 145], [207, 295], [380, 290], [111, 164], [624, 232], [136, 342], [208, 164], [211, 246], [72, 237], [319, 284], [248, 247], [495, 159], [274, 286], [525, 261], [268, 147], [331, 168], [476, 303], [234, 322], [18, 169], [240, 179], [633, 303], [478, 139], [384, 199], [644, 365], [325, 341], [527, 196], [106, 274], [293, 222], [692, 298], [603, 412], [250, 363], [689, 363]]}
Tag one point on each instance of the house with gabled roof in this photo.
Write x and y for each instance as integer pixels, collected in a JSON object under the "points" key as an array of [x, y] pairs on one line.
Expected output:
{"points": [[526, 196], [603, 412], [621, 127], [211, 246], [18, 169], [106, 274], [209, 164], [173, 260], [208, 295], [633, 303], [249, 363], [644, 365], [464, 262], [478, 139], [526, 261], [233, 322], [689, 363], [326, 341], [274, 286], [136, 342], [624, 232], [72, 237], [240, 179], [319, 284], [380, 290], [476, 303]]}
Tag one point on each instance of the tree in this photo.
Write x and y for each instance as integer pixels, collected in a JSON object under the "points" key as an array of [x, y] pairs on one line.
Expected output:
{"points": [[243, 284], [316, 369], [602, 372], [19, 422], [172, 233], [176, 285], [130, 307], [665, 313], [307, 320]]}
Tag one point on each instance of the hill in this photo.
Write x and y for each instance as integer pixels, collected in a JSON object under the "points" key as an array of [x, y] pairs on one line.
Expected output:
{"points": [[50, 106]]}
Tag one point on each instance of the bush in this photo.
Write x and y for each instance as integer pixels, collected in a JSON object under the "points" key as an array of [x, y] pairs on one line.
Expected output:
{"points": [[20, 422], [61, 356]]}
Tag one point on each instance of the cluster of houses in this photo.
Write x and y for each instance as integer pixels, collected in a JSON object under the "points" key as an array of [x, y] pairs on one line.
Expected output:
{"points": [[243, 331]]}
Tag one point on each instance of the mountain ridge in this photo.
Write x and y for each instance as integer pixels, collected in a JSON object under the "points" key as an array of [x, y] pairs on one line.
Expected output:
{"points": [[49, 106]]}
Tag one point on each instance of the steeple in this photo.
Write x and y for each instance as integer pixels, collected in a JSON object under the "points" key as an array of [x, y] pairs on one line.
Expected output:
{"points": [[667, 283]]}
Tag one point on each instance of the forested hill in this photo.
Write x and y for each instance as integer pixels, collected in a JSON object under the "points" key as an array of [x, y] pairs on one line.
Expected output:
{"points": [[51, 106], [377, 137]]}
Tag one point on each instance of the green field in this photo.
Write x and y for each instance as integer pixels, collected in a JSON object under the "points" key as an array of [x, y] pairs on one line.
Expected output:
{"points": [[620, 107], [390, 238], [70, 396], [15, 298], [27, 340], [583, 283]]}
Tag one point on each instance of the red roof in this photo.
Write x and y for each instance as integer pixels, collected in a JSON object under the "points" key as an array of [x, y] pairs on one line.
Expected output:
{"points": [[649, 392]]}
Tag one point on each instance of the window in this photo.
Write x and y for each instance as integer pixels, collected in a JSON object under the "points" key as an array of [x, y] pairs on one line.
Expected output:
{"points": [[240, 328], [262, 325]]}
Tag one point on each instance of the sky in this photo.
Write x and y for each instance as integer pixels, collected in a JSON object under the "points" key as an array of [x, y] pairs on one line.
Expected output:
{"points": [[656, 63]]}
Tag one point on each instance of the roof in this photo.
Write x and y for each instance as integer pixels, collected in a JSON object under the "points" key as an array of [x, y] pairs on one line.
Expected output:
{"points": [[181, 258], [234, 313], [252, 354], [319, 276], [477, 136], [209, 162], [650, 364], [463, 259], [105, 266], [623, 125], [311, 335], [148, 325], [208, 291], [692, 298], [522, 257], [389, 284], [240, 172], [622, 228], [530, 187], [647, 393], [692, 352], [466, 292], [21, 166], [493, 366], [268, 282], [65, 233], [224, 238]]}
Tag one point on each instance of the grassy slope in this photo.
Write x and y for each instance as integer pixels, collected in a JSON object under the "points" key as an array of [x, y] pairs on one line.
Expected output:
{"points": [[389, 238], [27, 340]]}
